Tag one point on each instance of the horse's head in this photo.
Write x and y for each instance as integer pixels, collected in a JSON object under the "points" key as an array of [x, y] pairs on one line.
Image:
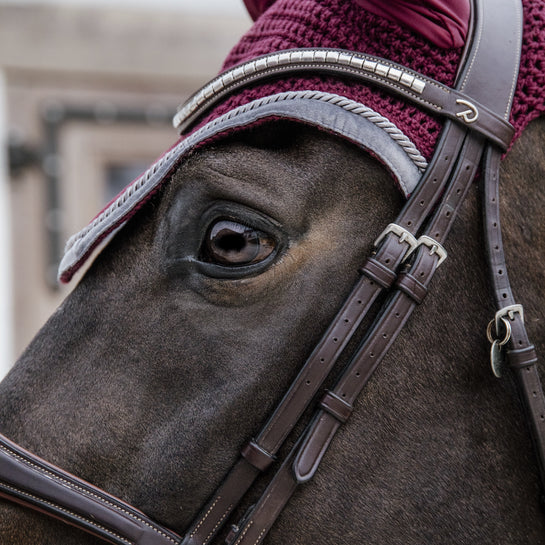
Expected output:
{"points": [[195, 319], [224, 265]]}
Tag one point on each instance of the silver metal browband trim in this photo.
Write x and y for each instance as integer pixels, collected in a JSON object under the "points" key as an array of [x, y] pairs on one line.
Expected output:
{"points": [[424, 92], [239, 75]]}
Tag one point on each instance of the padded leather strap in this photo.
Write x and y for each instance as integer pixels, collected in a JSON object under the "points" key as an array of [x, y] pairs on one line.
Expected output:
{"points": [[400, 307], [387, 257], [307, 456], [324, 426], [44, 487]]}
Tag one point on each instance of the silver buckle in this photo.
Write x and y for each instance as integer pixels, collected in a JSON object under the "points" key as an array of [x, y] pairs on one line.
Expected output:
{"points": [[497, 357], [434, 246], [508, 311], [403, 234]]}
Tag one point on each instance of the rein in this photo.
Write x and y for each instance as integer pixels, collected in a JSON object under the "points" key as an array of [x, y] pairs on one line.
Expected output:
{"points": [[406, 256]]}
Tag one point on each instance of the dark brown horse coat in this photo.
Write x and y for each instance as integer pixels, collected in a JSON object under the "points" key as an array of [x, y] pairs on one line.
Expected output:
{"points": [[436, 451], [155, 371]]}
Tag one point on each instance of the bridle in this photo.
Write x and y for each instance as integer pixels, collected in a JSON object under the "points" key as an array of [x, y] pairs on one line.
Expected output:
{"points": [[407, 254]]}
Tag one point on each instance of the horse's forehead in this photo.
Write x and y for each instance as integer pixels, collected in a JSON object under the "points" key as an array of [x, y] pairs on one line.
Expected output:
{"points": [[332, 103]]}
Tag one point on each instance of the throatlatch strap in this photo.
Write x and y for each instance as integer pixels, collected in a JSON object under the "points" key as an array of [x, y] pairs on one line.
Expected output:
{"points": [[521, 353]]}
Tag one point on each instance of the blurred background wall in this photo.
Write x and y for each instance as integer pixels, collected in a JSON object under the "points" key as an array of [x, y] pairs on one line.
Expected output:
{"points": [[87, 91]]}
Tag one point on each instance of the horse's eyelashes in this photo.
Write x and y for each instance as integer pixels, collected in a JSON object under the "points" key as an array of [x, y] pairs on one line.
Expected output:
{"points": [[224, 240], [234, 244]]}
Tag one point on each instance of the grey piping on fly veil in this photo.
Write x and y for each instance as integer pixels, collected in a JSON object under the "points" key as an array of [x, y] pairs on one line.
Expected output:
{"points": [[335, 113]]}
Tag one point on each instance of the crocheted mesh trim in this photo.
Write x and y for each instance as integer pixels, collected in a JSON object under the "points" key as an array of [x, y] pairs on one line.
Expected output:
{"points": [[530, 99], [342, 24]]}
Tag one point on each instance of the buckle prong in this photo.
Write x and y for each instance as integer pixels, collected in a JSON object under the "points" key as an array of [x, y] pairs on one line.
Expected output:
{"points": [[404, 237], [434, 246], [508, 311]]}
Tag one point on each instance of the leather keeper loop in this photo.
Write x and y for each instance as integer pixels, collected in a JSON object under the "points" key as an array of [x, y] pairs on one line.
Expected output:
{"points": [[409, 285], [376, 271], [335, 406], [525, 357], [257, 456]]}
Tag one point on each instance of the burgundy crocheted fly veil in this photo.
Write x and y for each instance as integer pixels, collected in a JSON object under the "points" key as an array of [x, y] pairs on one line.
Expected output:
{"points": [[400, 134]]}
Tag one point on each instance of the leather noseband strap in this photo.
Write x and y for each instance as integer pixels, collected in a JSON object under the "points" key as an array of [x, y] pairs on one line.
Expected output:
{"points": [[35, 483]]}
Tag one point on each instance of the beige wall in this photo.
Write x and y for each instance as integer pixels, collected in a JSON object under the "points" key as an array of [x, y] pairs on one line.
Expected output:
{"points": [[95, 59]]}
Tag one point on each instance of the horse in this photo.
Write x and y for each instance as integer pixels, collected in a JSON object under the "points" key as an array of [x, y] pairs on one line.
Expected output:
{"points": [[193, 321]]}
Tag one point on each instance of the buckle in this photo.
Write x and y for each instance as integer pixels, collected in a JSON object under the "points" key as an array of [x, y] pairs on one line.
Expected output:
{"points": [[403, 234], [508, 311], [497, 357], [434, 246]]}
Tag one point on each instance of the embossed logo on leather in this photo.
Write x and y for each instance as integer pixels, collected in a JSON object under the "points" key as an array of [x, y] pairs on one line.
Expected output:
{"points": [[471, 114]]}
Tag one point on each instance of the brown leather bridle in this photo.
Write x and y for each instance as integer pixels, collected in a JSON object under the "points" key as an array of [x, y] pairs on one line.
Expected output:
{"points": [[404, 261]]}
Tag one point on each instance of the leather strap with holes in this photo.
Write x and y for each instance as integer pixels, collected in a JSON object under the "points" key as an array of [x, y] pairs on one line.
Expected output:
{"points": [[336, 405], [378, 273], [412, 287], [521, 353]]}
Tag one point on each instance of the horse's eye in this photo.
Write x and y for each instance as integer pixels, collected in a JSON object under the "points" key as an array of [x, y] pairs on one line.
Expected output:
{"points": [[233, 244]]}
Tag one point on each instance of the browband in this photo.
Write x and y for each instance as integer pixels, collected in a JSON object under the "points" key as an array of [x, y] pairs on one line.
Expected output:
{"points": [[426, 92]]}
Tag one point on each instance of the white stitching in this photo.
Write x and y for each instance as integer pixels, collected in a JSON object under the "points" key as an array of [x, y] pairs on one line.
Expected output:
{"points": [[260, 536], [241, 536], [85, 491], [71, 513], [218, 523], [515, 72], [479, 33], [205, 516]]}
